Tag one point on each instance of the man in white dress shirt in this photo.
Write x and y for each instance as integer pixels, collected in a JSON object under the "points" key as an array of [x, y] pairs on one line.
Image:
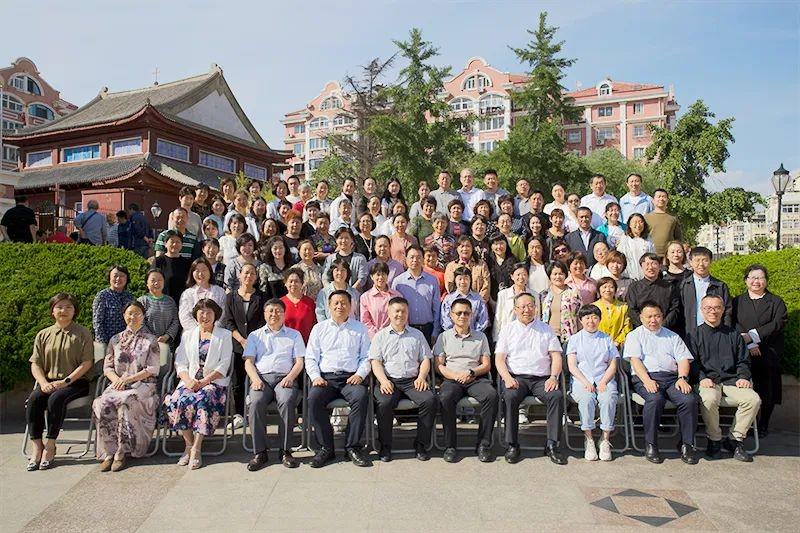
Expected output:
{"points": [[528, 361], [635, 200], [469, 194], [597, 200], [337, 365]]}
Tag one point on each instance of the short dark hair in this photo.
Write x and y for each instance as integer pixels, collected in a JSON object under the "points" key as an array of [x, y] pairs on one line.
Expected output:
{"points": [[579, 257], [430, 200], [119, 268], [312, 203], [239, 218], [645, 230], [339, 263], [597, 176], [152, 271], [633, 174], [133, 206], [60, 297], [275, 301], [584, 208], [609, 205], [379, 267], [207, 303], [455, 201], [649, 255], [398, 300], [340, 293], [650, 303], [190, 282], [134, 303], [754, 267], [122, 214], [660, 190], [186, 191], [606, 279], [416, 247], [342, 231], [294, 271], [243, 239], [700, 250], [556, 264], [490, 171], [589, 309], [171, 233], [462, 271], [461, 301], [617, 257]]}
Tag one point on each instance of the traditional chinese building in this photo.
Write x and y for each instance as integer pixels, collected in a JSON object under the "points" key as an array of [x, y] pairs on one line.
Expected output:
{"points": [[141, 146]]}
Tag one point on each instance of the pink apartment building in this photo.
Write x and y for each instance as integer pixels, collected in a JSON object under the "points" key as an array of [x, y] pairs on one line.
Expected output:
{"points": [[615, 114]]}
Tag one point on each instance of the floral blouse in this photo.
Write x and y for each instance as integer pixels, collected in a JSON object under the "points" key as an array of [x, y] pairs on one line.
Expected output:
{"points": [[130, 352], [570, 303]]}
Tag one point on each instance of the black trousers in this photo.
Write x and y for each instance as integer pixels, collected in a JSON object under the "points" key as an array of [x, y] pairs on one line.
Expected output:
{"points": [[427, 331], [237, 382], [53, 406], [482, 390], [319, 397], [386, 404], [532, 386], [654, 406]]}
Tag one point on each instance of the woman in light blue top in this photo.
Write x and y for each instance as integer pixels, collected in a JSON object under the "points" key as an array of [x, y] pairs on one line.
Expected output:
{"points": [[592, 359]]}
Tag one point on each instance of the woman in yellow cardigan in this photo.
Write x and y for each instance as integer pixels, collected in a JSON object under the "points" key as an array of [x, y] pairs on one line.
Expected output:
{"points": [[614, 319]]}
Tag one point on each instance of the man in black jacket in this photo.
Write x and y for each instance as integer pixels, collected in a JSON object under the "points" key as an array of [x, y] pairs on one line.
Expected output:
{"points": [[653, 288], [585, 237], [723, 365], [693, 288]]}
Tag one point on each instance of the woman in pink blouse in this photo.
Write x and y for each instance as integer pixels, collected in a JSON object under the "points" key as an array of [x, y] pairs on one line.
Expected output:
{"points": [[400, 239], [375, 302], [578, 280]]}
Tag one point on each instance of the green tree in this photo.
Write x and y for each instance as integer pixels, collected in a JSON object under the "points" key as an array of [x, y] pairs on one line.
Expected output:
{"points": [[732, 204], [418, 136], [534, 148], [760, 244], [684, 156]]}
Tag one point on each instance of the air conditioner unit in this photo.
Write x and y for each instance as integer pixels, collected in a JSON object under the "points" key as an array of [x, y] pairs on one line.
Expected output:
{"points": [[601, 141]]}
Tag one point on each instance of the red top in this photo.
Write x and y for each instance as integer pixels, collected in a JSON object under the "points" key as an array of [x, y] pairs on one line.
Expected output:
{"points": [[300, 316], [59, 238], [438, 274]]}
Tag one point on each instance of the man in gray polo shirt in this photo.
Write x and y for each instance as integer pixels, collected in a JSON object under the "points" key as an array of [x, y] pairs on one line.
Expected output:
{"points": [[463, 360], [401, 361]]}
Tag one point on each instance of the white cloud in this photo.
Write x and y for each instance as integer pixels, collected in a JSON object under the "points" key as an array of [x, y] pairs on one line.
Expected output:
{"points": [[717, 181]]}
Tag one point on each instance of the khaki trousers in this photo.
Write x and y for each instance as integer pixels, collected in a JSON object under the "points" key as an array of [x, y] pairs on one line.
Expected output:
{"points": [[747, 401]]}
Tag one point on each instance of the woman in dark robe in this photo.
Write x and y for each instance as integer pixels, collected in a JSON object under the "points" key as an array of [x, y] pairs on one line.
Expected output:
{"points": [[761, 316]]}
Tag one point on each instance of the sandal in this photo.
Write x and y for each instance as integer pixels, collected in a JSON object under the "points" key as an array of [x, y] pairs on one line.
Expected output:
{"points": [[105, 465], [118, 465], [195, 463], [47, 463], [184, 460], [32, 465]]}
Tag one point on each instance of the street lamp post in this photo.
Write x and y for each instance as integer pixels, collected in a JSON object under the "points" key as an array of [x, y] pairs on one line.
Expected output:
{"points": [[780, 180]]}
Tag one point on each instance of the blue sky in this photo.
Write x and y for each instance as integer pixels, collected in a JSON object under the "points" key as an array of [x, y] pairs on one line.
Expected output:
{"points": [[742, 58]]}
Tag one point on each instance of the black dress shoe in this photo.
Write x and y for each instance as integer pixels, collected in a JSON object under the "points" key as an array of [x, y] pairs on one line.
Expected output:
{"points": [[763, 432], [322, 457], [485, 454], [739, 453], [714, 449], [422, 454], [512, 453], [385, 455], [357, 457], [687, 454], [258, 461], [552, 451], [450, 455], [653, 455], [729, 444], [288, 460]]}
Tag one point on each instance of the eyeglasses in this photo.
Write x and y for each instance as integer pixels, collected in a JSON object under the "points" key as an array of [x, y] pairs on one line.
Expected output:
{"points": [[712, 308], [756, 278], [526, 307], [561, 250], [462, 313]]}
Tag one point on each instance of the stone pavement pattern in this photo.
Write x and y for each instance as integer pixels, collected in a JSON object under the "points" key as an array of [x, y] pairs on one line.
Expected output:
{"points": [[405, 495]]}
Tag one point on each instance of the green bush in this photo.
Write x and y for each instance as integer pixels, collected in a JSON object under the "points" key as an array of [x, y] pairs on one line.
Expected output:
{"points": [[30, 274], [784, 281]]}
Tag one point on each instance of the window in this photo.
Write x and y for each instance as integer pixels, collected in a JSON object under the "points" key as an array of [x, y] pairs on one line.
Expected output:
{"points": [[256, 172], [41, 111], [39, 159], [299, 149], [605, 111], [319, 122], [638, 152], [461, 104], [27, 84], [318, 144], [299, 128], [219, 162], [299, 167], [790, 208], [605, 133], [492, 102], [80, 153], [494, 123], [488, 146], [12, 104], [314, 164], [11, 125], [172, 150], [638, 130], [331, 102], [478, 81], [574, 137], [604, 89], [342, 120], [10, 153], [638, 108], [126, 146]]}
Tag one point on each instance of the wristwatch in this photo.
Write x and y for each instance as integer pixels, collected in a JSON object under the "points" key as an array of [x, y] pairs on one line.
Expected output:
{"points": [[683, 378], [471, 373], [67, 380]]}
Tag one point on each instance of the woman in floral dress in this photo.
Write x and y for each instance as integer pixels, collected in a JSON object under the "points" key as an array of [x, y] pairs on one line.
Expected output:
{"points": [[202, 363], [125, 413]]}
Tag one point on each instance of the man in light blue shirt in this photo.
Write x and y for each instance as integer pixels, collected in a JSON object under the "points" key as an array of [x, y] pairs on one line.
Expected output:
{"points": [[92, 225], [469, 194], [421, 290], [273, 359], [337, 365], [597, 200], [635, 200], [660, 362]]}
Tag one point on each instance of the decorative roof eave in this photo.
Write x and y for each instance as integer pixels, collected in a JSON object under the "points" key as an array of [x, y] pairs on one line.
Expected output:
{"points": [[46, 136]]}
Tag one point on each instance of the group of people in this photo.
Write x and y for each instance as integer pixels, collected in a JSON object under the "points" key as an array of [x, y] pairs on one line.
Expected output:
{"points": [[495, 295]]}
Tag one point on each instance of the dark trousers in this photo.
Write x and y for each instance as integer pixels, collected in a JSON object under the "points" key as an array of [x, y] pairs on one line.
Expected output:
{"points": [[654, 407], [386, 404], [237, 382], [286, 400], [427, 331], [54, 405], [532, 386], [482, 390], [319, 397]]}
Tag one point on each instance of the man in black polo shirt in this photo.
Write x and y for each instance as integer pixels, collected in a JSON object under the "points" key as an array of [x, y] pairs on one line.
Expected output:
{"points": [[19, 222], [655, 289]]}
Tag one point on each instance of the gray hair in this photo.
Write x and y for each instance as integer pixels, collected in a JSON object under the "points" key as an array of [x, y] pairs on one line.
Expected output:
{"points": [[92, 204], [438, 216]]}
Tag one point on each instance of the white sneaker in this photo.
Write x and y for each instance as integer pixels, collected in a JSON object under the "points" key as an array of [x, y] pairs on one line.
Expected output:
{"points": [[591, 452], [605, 450], [236, 423], [523, 416]]}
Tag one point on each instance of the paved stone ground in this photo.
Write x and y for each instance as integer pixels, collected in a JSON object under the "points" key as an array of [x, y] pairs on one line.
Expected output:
{"points": [[405, 495]]}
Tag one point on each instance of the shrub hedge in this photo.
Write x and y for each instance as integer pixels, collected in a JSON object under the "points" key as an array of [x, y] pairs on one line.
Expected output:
{"points": [[784, 281], [30, 274]]}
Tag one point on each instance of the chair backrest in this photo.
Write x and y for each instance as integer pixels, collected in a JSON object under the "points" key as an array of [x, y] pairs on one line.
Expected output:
{"points": [[99, 351], [165, 361]]}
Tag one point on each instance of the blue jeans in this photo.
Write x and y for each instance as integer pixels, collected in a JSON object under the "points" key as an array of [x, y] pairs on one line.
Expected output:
{"points": [[588, 401]]}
